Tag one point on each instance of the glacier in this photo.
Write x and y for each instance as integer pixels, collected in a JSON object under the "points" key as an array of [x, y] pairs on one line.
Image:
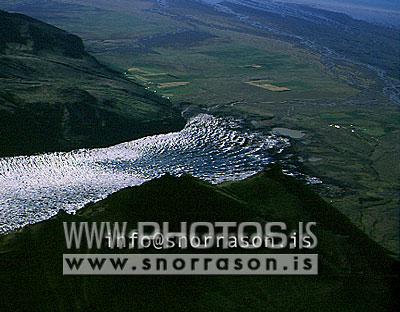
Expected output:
{"points": [[35, 188]]}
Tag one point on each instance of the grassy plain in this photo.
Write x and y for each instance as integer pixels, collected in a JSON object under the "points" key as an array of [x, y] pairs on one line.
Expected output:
{"points": [[217, 72]]}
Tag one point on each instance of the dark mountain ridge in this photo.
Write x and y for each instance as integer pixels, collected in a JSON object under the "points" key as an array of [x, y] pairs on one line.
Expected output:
{"points": [[355, 273]]}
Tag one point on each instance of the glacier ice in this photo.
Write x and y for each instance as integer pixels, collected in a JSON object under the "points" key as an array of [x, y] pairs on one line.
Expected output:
{"points": [[34, 188]]}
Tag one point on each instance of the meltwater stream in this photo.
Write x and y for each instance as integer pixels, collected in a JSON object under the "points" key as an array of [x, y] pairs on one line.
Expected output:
{"points": [[35, 188]]}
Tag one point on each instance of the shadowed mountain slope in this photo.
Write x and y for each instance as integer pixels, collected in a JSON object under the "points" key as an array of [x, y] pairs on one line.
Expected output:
{"points": [[354, 272], [55, 96]]}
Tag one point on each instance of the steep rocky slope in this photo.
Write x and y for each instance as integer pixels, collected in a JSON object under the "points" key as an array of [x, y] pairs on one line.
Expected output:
{"points": [[55, 96]]}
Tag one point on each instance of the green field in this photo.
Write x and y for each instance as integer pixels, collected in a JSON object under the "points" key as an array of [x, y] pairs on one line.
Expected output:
{"points": [[218, 72]]}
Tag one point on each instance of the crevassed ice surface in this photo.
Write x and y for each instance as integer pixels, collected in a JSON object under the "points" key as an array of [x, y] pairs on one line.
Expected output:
{"points": [[35, 188]]}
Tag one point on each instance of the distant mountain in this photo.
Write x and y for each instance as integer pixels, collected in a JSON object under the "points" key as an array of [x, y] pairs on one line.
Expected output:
{"points": [[354, 272], [55, 96]]}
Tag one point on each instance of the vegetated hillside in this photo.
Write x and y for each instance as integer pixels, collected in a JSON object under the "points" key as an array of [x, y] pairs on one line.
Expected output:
{"points": [[55, 96], [355, 273]]}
